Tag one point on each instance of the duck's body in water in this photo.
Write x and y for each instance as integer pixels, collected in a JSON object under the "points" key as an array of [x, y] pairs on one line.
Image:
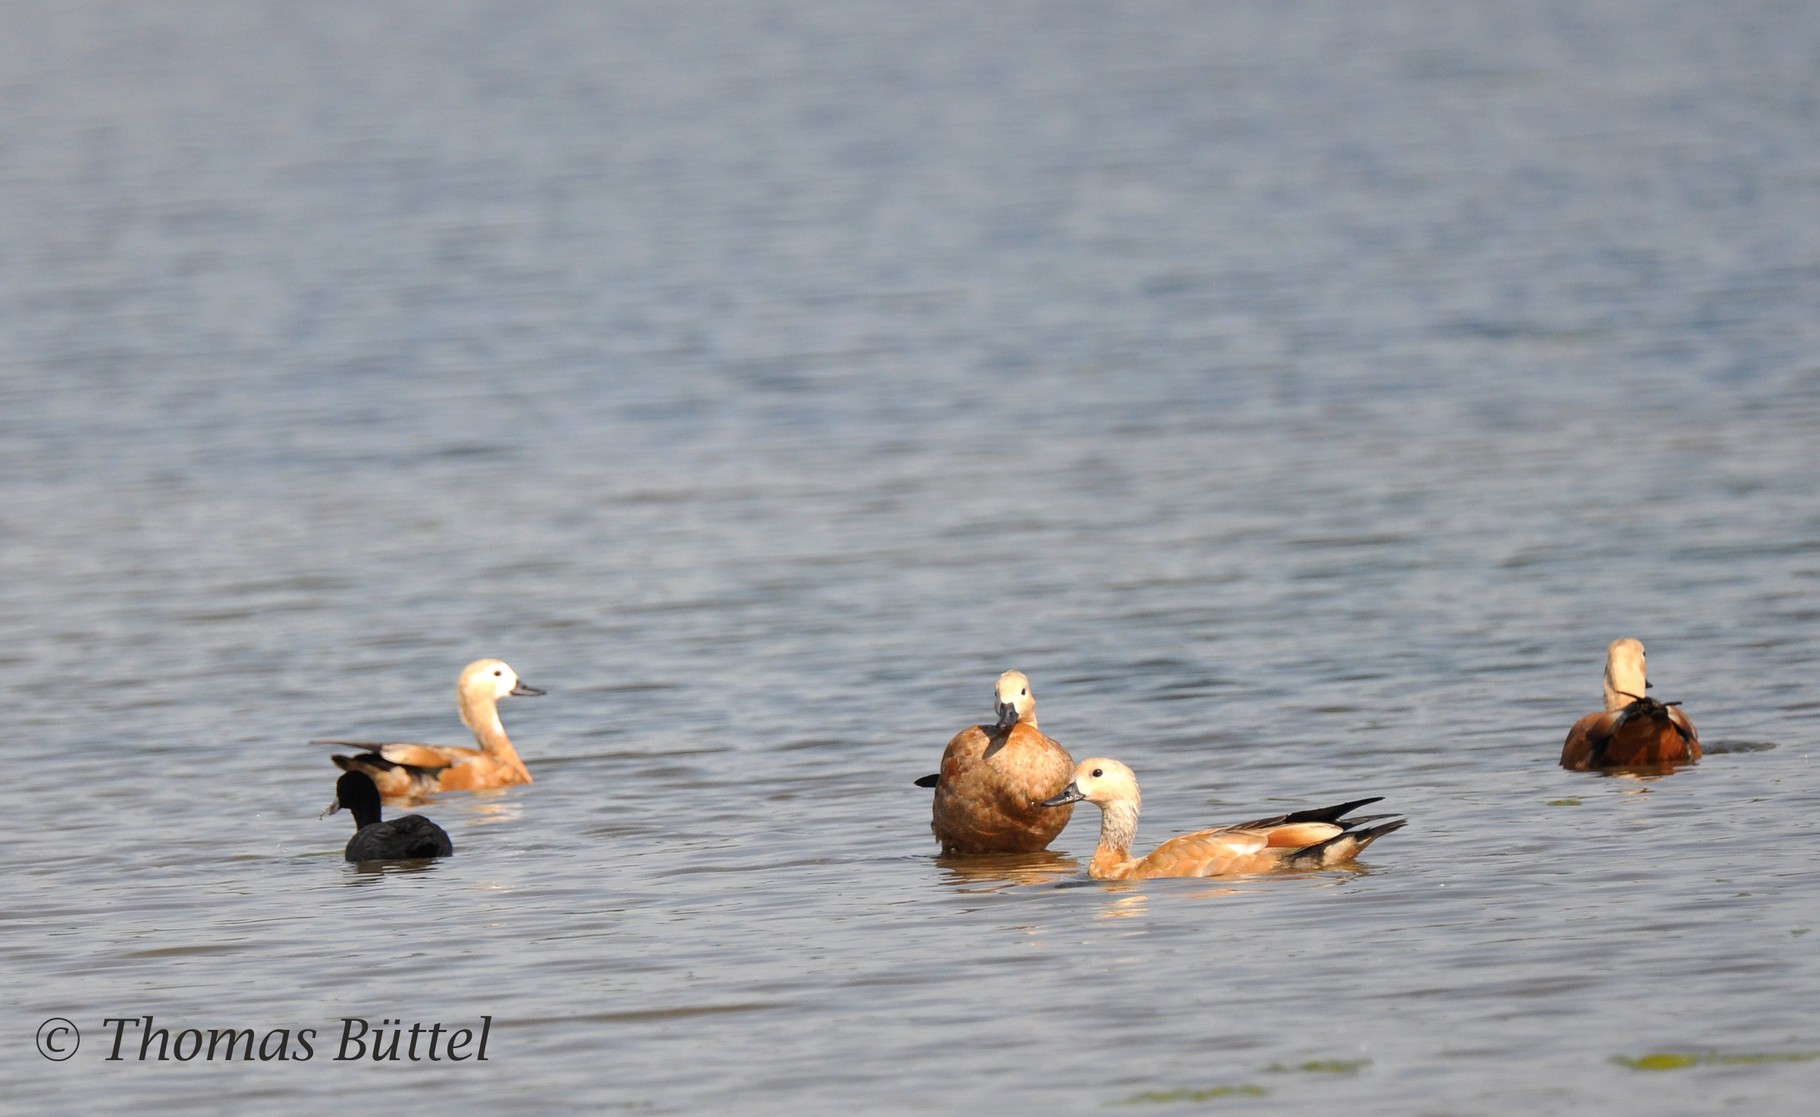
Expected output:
{"points": [[1633, 730], [1311, 839], [405, 771], [994, 778]]}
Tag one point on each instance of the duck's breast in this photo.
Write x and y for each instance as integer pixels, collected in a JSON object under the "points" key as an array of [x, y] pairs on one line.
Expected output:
{"points": [[989, 798], [478, 772]]}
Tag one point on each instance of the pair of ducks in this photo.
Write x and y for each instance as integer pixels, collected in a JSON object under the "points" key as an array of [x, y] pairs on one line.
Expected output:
{"points": [[1008, 788], [399, 770]]}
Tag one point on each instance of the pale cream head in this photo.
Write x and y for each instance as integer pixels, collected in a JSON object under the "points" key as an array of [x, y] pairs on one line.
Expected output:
{"points": [[1012, 700], [1626, 677], [483, 683], [491, 677], [1112, 788], [1101, 782]]}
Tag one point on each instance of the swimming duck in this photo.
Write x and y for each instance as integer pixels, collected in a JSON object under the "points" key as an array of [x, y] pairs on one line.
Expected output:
{"points": [[1312, 839], [408, 771], [1632, 730], [994, 778], [412, 836]]}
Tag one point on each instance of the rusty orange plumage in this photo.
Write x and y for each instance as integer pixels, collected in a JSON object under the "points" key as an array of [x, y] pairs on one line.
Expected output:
{"points": [[994, 778], [405, 771], [1633, 730], [1311, 839]]}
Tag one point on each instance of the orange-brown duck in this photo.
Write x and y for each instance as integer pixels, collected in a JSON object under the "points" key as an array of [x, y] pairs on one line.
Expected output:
{"points": [[1312, 839], [1632, 730], [989, 794], [402, 770]]}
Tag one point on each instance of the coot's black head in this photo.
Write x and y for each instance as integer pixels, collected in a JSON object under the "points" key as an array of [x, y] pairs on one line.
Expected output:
{"points": [[356, 792]]}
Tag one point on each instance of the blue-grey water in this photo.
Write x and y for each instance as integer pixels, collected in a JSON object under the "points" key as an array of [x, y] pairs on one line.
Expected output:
{"points": [[1303, 394]]}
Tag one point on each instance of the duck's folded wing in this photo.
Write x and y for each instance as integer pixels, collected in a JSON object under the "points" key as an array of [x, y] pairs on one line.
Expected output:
{"points": [[1335, 814], [403, 753], [1205, 853], [1683, 726], [1587, 740], [1296, 835]]}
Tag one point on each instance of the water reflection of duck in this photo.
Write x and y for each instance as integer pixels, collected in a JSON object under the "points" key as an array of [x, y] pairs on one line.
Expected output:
{"points": [[1632, 730], [410, 837], [406, 771], [1311, 839], [994, 778], [990, 870]]}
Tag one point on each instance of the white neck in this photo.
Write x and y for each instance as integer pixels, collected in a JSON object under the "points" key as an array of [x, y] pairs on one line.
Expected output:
{"points": [[1118, 826]]}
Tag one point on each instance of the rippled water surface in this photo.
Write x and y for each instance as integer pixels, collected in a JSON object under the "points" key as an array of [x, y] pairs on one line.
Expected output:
{"points": [[1302, 394]]}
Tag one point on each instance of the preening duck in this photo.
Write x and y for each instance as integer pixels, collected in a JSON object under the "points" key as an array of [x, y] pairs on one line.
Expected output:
{"points": [[1311, 839], [403, 770], [407, 838], [989, 794], [1633, 730]]}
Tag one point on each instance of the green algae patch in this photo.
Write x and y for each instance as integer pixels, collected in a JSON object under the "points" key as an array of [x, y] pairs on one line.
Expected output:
{"points": [[1211, 1093], [1217, 1093], [1563, 802], [1321, 1066], [1680, 1060], [1655, 1062]]}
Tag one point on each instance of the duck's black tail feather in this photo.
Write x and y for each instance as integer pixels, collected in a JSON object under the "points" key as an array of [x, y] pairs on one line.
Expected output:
{"points": [[1342, 848], [1333, 814]]}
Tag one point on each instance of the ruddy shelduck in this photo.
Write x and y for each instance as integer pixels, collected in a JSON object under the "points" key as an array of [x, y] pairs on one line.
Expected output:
{"points": [[1312, 839], [1632, 730], [407, 838], [989, 794], [406, 771]]}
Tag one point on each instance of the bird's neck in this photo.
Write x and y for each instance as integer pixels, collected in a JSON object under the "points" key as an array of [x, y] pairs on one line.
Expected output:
{"points": [[482, 716], [365, 814], [1118, 826], [1616, 697]]}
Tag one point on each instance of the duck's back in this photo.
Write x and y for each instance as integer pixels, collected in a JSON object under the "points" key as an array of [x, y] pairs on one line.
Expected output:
{"points": [[1250, 848], [398, 839], [1643, 734], [992, 785]]}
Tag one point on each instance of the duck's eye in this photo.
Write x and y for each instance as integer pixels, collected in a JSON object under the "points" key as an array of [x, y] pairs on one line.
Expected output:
{"points": [[1098, 772], [1024, 691], [498, 674]]}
